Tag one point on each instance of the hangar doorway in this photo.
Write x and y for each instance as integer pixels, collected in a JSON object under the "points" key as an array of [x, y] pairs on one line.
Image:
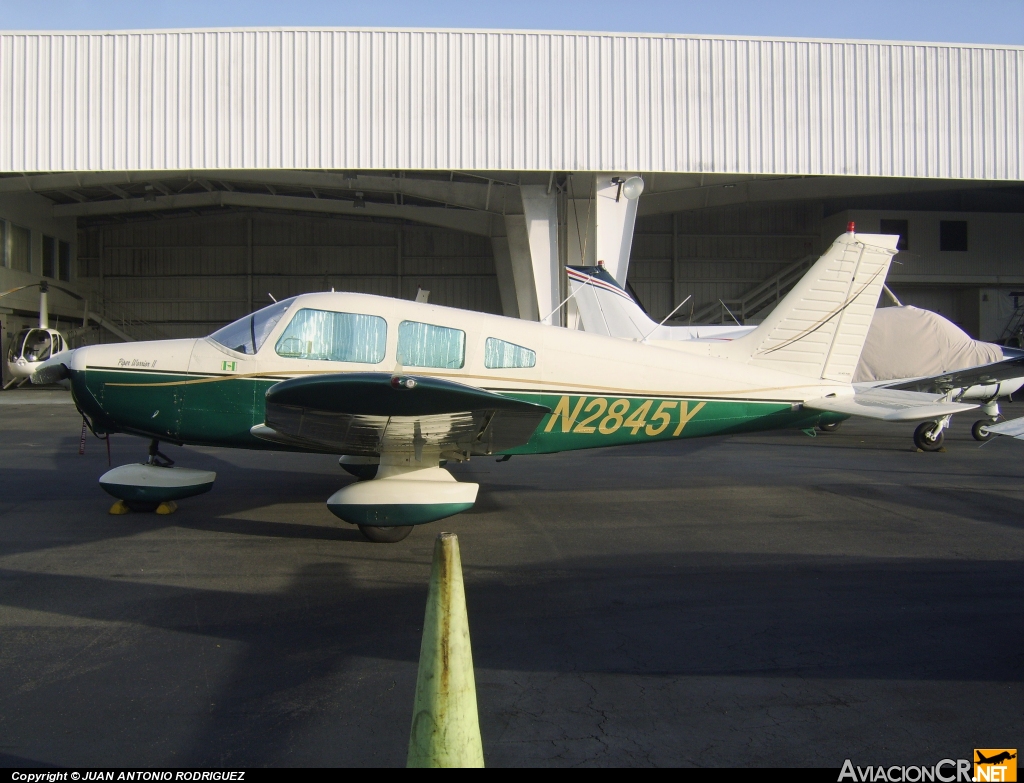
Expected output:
{"points": [[187, 275]]}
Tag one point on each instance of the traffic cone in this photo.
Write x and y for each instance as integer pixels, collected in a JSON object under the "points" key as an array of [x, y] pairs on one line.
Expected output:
{"points": [[445, 725]]}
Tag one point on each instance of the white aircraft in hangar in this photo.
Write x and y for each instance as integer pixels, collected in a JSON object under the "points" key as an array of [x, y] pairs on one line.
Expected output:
{"points": [[907, 350], [399, 388]]}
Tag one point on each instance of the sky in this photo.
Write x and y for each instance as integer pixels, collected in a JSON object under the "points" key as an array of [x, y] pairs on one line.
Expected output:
{"points": [[963, 21]]}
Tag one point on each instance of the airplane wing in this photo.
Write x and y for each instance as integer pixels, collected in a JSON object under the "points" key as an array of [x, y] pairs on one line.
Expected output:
{"points": [[982, 375], [366, 414], [1014, 428], [890, 405]]}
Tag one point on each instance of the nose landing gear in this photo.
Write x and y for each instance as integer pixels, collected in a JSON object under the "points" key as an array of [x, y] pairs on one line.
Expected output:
{"points": [[154, 485]]}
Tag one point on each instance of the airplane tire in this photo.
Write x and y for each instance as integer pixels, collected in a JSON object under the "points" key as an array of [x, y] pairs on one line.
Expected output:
{"points": [[386, 535], [831, 426], [925, 443], [144, 506], [980, 430]]}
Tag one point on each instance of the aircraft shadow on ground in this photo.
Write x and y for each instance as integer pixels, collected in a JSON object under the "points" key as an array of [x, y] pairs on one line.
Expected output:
{"points": [[661, 616]]}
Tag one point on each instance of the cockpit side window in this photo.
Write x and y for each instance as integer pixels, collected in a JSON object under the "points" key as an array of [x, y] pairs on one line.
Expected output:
{"points": [[247, 335], [324, 335], [501, 355], [427, 345]]}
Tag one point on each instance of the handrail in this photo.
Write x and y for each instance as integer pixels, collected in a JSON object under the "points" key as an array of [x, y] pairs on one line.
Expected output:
{"points": [[125, 326], [757, 298]]}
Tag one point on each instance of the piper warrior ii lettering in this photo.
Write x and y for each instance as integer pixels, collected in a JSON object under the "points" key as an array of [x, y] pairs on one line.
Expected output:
{"points": [[400, 388]]}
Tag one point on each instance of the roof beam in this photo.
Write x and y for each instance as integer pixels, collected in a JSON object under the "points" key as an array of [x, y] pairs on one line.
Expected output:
{"points": [[459, 219], [504, 197], [791, 189]]}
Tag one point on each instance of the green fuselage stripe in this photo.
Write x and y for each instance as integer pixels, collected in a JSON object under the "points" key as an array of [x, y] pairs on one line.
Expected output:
{"points": [[221, 413]]}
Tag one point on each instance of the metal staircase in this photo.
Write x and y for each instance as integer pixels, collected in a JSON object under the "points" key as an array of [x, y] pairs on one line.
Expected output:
{"points": [[114, 320], [756, 299]]}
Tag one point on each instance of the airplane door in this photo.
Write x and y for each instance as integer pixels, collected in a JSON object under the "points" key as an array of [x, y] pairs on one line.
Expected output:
{"points": [[219, 396]]}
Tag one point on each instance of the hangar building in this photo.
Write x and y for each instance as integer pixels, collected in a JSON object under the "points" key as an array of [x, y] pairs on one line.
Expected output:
{"points": [[178, 178]]}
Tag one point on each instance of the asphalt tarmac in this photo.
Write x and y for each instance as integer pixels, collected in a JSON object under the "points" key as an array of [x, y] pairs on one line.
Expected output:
{"points": [[766, 599]]}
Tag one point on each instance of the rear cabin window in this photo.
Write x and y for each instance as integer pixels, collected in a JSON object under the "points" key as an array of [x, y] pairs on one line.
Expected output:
{"points": [[500, 355], [427, 345], [327, 336]]}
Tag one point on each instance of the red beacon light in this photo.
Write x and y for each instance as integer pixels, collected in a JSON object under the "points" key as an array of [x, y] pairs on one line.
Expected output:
{"points": [[851, 227]]}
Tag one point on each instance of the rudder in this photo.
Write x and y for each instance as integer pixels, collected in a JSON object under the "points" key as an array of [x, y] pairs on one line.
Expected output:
{"points": [[818, 330]]}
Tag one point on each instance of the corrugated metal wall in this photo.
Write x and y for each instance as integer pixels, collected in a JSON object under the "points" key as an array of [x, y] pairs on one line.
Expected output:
{"points": [[718, 253], [508, 100], [188, 276]]}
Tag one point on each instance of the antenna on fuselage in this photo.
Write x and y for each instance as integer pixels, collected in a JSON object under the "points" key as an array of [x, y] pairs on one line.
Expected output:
{"points": [[272, 299], [656, 328], [737, 320]]}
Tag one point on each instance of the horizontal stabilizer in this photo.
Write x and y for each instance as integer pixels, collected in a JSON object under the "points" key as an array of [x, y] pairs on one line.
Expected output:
{"points": [[1013, 428], [890, 405]]}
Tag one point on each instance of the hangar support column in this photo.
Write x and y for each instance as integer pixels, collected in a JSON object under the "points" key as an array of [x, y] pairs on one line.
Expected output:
{"points": [[615, 215], [599, 228], [532, 240]]}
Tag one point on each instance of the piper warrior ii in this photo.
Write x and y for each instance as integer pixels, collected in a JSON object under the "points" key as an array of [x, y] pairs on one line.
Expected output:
{"points": [[400, 388]]}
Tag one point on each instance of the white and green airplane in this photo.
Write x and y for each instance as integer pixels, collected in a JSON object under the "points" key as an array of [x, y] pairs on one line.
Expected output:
{"points": [[400, 388]]}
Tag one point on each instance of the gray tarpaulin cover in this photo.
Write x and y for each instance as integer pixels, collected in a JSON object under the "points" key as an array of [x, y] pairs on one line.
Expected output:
{"points": [[906, 342]]}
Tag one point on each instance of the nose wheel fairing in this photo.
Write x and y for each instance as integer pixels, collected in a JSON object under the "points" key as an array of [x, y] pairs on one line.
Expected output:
{"points": [[150, 483]]}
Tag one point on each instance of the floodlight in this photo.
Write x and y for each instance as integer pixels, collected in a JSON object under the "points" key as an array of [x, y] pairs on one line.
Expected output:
{"points": [[633, 187]]}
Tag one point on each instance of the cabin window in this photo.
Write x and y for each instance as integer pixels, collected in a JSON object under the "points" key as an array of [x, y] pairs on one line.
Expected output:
{"points": [[500, 355], [426, 345], [326, 336], [247, 335]]}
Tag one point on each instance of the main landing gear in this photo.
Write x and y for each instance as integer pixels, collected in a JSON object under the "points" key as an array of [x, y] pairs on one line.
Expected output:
{"points": [[404, 490], [929, 435]]}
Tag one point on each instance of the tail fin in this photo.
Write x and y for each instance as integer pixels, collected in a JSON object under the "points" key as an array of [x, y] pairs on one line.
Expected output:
{"points": [[604, 307], [818, 329]]}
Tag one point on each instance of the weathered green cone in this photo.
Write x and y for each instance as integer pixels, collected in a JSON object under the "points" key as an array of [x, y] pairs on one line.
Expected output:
{"points": [[445, 725]]}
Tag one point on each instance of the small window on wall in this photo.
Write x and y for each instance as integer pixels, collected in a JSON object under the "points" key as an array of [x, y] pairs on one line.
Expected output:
{"points": [[500, 355], [901, 227], [426, 345], [64, 261], [49, 257], [326, 336], [953, 235], [19, 247]]}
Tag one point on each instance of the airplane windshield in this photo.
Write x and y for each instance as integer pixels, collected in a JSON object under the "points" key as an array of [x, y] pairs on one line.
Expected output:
{"points": [[247, 335], [37, 345]]}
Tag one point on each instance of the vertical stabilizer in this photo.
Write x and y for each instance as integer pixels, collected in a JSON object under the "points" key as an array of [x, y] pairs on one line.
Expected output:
{"points": [[818, 329], [604, 307]]}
